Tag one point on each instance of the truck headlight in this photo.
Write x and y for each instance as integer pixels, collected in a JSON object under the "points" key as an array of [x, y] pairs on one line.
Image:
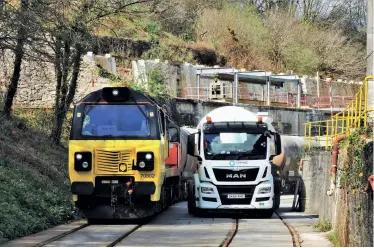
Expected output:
{"points": [[264, 190], [207, 190]]}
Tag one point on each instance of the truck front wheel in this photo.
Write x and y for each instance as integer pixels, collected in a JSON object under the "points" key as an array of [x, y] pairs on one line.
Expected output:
{"points": [[191, 199], [266, 213], [277, 193]]}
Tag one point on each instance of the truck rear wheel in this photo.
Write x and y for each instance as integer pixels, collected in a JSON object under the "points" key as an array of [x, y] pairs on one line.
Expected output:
{"points": [[302, 196]]}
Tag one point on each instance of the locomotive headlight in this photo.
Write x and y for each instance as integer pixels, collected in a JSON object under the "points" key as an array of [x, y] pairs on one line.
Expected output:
{"points": [[83, 161], [78, 156], [145, 161], [115, 92], [85, 164], [148, 156], [142, 164], [264, 190]]}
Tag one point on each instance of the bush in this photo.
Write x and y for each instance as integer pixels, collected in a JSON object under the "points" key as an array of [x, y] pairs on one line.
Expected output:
{"points": [[171, 53], [35, 189], [323, 226], [279, 42], [333, 237], [156, 88]]}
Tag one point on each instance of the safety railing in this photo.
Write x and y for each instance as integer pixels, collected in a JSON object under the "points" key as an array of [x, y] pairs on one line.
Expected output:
{"points": [[224, 92], [244, 94], [335, 101], [345, 122]]}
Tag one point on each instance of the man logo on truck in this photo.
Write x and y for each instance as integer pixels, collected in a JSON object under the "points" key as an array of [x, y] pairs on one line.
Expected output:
{"points": [[236, 175]]}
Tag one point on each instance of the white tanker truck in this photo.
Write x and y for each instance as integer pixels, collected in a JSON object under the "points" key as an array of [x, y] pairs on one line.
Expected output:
{"points": [[240, 158]]}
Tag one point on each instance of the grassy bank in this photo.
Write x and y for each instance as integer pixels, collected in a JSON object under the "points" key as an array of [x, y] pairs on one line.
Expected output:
{"points": [[34, 189]]}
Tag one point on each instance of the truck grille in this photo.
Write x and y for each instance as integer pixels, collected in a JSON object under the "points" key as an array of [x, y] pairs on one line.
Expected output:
{"points": [[247, 190], [244, 175], [111, 162]]}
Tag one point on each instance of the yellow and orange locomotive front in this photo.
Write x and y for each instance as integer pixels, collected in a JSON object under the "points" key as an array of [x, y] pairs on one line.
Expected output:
{"points": [[117, 150]]}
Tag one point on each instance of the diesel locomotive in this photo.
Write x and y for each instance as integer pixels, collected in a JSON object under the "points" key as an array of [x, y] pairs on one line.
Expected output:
{"points": [[126, 156]]}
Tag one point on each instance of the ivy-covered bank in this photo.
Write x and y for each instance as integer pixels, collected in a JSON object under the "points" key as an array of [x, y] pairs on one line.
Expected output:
{"points": [[349, 206]]}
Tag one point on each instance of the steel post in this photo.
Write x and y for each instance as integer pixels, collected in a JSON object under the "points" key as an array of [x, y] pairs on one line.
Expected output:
{"points": [[236, 83]]}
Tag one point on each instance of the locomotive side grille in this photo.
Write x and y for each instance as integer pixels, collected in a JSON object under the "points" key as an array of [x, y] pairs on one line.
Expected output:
{"points": [[110, 162]]}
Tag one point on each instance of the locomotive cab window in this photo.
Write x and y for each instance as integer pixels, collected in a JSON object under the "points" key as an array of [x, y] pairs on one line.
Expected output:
{"points": [[115, 121]]}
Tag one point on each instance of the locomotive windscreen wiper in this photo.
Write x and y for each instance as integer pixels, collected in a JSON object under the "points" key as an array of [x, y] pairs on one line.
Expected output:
{"points": [[141, 110], [89, 110]]}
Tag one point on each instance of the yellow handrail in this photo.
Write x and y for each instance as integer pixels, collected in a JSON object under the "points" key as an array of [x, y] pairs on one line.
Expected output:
{"points": [[342, 123]]}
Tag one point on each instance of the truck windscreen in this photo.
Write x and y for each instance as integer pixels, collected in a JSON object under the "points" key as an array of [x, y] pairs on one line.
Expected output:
{"points": [[235, 146], [115, 121]]}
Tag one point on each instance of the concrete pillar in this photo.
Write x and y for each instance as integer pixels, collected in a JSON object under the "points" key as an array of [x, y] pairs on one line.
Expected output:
{"points": [[236, 85], [370, 55], [268, 102], [90, 56], [298, 104], [318, 96], [198, 85]]}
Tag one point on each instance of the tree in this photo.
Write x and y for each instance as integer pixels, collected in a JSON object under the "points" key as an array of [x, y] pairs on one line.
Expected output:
{"points": [[70, 29], [20, 32], [21, 37], [351, 17], [179, 16]]}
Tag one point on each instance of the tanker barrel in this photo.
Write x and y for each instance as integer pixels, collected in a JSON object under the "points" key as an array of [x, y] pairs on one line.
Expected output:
{"points": [[188, 163], [292, 149]]}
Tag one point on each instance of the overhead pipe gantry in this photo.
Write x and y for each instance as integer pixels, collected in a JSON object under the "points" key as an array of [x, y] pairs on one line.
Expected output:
{"points": [[250, 77]]}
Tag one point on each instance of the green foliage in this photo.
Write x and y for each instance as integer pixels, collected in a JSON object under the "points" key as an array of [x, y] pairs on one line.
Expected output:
{"points": [[171, 53], [301, 58], [333, 237], [105, 74], [156, 87], [34, 190], [154, 30], [42, 120], [356, 169], [323, 226], [278, 41]]}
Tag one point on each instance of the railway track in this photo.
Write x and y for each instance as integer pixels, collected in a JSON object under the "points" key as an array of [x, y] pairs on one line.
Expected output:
{"points": [[177, 228], [66, 235], [235, 228], [60, 236], [231, 234], [293, 232]]}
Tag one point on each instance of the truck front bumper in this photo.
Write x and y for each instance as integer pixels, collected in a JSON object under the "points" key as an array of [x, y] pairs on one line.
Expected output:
{"points": [[245, 196]]}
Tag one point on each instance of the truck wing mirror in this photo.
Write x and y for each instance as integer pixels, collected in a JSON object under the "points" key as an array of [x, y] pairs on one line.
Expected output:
{"points": [[174, 133], [267, 134], [278, 144]]}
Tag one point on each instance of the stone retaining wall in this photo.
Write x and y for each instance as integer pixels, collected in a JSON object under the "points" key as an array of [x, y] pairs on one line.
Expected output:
{"points": [[349, 212]]}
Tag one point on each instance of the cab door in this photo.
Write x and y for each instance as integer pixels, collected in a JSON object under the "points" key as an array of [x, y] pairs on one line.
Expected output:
{"points": [[174, 158]]}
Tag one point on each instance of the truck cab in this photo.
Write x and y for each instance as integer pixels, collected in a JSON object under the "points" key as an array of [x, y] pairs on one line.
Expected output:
{"points": [[235, 148]]}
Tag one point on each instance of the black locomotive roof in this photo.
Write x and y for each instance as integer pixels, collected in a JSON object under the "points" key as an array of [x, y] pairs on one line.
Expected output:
{"points": [[132, 96]]}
